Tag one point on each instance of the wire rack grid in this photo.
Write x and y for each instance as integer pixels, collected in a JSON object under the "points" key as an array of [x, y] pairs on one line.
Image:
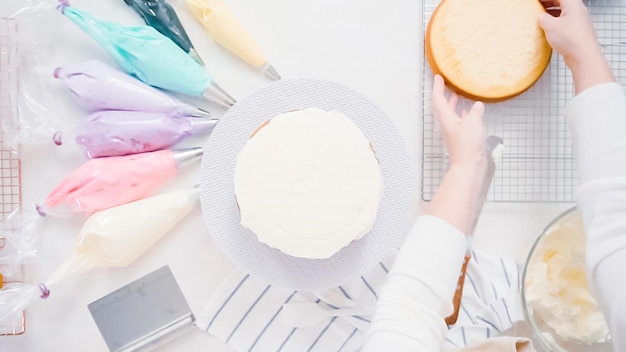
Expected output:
{"points": [[10, 166], [537, 163], [10, 189]]}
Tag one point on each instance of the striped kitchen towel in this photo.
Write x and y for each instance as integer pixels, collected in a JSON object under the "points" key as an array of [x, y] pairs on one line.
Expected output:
{"points": [[245, 312], [491, 301]]}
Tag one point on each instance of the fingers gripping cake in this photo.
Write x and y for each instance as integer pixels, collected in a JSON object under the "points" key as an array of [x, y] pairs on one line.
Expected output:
{"points": [[486, 50], [308, 183]]}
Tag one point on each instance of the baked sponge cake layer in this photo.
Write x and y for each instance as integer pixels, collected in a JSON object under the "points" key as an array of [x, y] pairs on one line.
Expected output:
{"points": [[487, 50], [308, 183]]}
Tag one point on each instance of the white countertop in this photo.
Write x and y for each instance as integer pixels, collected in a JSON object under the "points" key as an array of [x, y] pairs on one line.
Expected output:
{"points": [[373, 47]]}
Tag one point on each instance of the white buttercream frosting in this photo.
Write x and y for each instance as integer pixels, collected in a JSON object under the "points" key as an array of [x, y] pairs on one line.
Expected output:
{"points": [[556, 284], [308, 183]]}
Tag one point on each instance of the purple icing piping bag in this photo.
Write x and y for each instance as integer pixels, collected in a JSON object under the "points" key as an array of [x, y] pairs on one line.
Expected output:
{"points": [[98, 86], [115, 133]]}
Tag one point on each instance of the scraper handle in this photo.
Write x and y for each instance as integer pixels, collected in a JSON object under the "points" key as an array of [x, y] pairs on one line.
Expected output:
{"points": [[456, 300]]}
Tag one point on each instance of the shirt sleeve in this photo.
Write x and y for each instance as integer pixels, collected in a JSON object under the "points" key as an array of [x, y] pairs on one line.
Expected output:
{"points": [[419, 290], [597, 119]]}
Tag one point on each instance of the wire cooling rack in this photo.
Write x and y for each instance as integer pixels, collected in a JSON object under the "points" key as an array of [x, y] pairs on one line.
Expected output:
{"points": [[537, 163], [10, 175], [10, 189]]}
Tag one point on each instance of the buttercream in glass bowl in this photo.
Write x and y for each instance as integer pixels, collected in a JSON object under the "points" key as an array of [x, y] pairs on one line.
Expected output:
{"points": [[558, 303]]}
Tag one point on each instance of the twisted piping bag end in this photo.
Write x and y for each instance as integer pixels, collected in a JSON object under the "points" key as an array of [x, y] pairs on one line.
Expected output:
{"points": [[62, 5], [45, 292], [40, 210]]}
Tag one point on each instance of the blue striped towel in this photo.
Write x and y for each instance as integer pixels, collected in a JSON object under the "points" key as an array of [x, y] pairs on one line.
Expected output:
{"points": [[245, 312]]}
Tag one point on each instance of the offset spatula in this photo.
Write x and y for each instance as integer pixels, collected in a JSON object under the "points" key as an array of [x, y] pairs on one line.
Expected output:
{"points": [[494, 143]]}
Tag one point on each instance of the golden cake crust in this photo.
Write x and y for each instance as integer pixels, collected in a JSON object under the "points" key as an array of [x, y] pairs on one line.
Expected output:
{"points": [[485, 53]]}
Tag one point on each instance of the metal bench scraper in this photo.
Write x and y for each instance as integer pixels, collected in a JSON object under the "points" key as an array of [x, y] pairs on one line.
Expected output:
{"points": [[144, 314]]}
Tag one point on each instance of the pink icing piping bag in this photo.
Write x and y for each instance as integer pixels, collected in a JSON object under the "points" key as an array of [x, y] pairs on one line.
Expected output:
{"points": [[114, 133], [103, 183], [98, 86]]}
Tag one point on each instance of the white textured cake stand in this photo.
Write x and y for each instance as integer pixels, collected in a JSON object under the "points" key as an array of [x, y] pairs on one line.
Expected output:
{"points": [[219, 205]]}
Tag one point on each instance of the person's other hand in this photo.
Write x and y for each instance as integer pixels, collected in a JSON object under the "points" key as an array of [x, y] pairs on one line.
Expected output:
{"points": [[571, 33], [459, 199], [464, 133]]}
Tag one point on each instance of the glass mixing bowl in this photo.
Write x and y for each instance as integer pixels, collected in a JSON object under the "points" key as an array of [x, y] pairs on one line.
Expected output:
{"points": [[566, 257]]}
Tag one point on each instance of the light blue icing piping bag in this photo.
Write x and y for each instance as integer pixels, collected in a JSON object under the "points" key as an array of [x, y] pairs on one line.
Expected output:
{"points": [[150, 56]]}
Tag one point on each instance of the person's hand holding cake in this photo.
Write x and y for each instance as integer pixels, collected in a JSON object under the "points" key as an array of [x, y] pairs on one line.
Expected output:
{"points": [[572, 35]]}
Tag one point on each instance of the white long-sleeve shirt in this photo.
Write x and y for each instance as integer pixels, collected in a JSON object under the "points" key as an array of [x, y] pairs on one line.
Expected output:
{"points": [[419, 290], [418, 294], [597, 119]]}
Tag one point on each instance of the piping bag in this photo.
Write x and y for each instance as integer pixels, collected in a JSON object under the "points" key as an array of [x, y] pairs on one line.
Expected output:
{"points": [[493, 146], [103, 183], [114, 237], [98, 86], [150, 56], [20, 235], [224, 28], [161, 15], [115, 133]]}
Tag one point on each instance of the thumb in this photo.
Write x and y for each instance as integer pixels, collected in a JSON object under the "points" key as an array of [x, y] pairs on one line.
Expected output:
{"points": [[547, 21]]}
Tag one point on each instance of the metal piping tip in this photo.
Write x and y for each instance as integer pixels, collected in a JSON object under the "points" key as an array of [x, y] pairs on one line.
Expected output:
{"points": [[229, 97], [271, 72], [493, 141], [201, 125], [201, 113], [495, 146], [194, 192], [216, 94], [190, 110], [194, 55], [186, 155]]}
